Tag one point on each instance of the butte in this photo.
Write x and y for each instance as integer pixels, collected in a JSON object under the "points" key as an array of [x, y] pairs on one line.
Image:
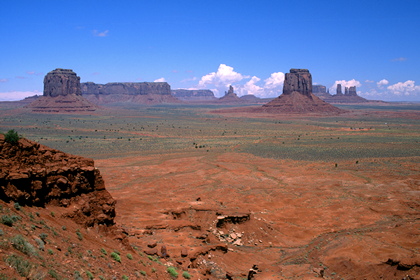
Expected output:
{"points": [[297, 96], [61, 94]]}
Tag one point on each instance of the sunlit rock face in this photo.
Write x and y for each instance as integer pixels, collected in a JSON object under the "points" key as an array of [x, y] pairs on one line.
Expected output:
{"points": [[299, 80], [61, 82]]}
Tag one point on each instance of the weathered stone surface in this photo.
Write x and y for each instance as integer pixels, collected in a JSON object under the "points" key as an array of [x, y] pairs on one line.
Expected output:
{"points": [[62, 94], [297, 96], [299, 80], [194, 95], [352, 91], [350, 96], [339, 92], [230, 96], [143, 93], [320, 91], [51, 177], [61, 82], [161, 88]]}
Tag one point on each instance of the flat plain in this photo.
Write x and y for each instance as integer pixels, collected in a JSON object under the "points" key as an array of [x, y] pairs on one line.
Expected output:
{"points": [[301, 196]]}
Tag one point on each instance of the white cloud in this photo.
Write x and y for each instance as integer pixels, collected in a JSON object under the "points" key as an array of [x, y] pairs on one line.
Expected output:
{"points": [[224, 77], [4, 80], [160, 80], [399, 59], [189, 80], [100, 34], [17, 95], [33, 73], [382, 83], [406, 88], [344, 84], [250, 87]]}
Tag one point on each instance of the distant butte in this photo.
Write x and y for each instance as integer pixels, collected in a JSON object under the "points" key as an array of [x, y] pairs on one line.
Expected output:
{"points": [[61, 94], [230, 97], [141, 92], [297, 96]]}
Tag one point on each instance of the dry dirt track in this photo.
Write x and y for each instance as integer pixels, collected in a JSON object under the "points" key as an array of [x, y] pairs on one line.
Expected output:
{"points": [[306, 219]]}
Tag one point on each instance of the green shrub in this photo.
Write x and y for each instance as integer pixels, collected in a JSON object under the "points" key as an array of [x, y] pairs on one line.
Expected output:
{"points": [[17, 206], [172, 271], [142, 272], [11, 137], [125, 277], [50, 251], [103, 251], [129, 256], [22, 266], [186, 275], [116, 257], [53, 274], [89, 275], [79, 235], [43, 236], [7, 220], [21, 244]]}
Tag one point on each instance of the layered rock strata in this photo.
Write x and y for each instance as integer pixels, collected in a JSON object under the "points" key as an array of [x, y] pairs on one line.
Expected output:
{"points": [[61, 94], [143, 93], [297, 96], [194, 95], [35, 175]]}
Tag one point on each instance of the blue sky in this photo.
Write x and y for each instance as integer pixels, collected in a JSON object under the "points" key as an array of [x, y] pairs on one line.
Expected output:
{"points": [[211, 44]]}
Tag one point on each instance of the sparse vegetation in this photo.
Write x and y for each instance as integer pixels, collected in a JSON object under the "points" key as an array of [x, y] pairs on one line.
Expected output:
{"points": [[79, 235], [186, 275], [11, 137], [21, 244], [21, 265], [129, 256], [172, 271], [116, 257], [89, 275]]}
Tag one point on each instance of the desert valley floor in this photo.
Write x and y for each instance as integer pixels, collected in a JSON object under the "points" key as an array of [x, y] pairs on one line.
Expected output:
{"points": [[298, 196]]}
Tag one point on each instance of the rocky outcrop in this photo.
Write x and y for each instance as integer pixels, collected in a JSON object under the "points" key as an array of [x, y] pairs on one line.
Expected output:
{"points": [[352, 91], [230, 97], [297, 96], [144, 93], [61, 94], [194, 95], [298, 80], [349, 96], [339, 92], [161, 88], [320, 91], [61, 82], [35, 175]]}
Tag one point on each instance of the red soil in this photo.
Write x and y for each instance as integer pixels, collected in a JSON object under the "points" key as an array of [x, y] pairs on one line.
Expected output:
{"points": [[292, 219]]}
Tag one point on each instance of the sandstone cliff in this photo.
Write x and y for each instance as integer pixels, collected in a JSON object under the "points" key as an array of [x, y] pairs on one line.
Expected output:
{"points": [[35, 175], [297, 96], [61, 94], [194, 95], [143, 93]]}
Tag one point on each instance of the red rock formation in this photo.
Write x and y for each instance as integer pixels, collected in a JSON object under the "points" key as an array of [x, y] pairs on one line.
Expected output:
{"points": [[61, 94], [35, 175], [297, 96]]}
